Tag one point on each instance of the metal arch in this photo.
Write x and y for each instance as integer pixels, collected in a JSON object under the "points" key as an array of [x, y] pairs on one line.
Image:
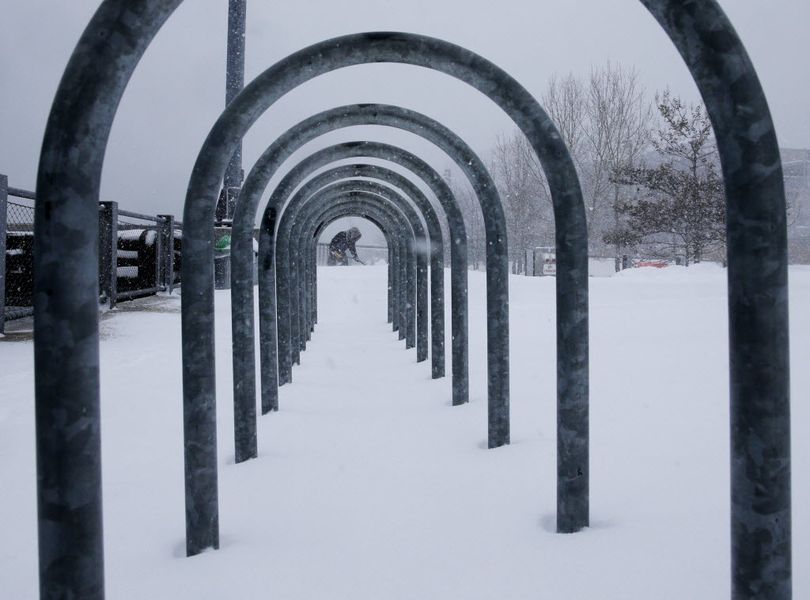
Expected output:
{"points": [[197, 311], [347, 116], [571, 230], [398, 182], [757, 292], [268, 314], [335, 212], [267, 302], [298, 244], [308, 241], [290, 226], [66, 340], [394, 270], [486, 192], [458, 256], [404, 267], [425, 208], [409, 329], [340, 206], [424, 326], [333, 153]]}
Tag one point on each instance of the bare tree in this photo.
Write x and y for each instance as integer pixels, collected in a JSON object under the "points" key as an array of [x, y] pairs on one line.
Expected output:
{"points": [[524, 196], [618, 133], [566, 103], [605, 122], [473, 221]]}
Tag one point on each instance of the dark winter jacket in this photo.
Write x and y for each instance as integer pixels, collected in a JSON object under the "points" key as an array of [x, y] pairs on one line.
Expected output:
{"points": [[341, 243]]}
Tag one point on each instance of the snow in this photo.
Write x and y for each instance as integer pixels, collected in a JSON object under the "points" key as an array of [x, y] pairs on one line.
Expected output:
{"points": [[370, 485], [127, 272], [601, 267], [134, 234]]}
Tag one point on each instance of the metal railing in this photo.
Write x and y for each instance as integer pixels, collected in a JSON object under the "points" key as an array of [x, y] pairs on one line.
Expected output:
{"points": [[368, 254], [139, 255], [144, 258]]}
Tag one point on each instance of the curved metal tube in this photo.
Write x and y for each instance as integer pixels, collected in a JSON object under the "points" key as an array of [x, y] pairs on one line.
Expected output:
{"points": [[290, 225], [458, 257], [396, 278], [571, 232], [310, 251], [65, 267], [265, 168], [404, 264], [333, 213], [428, 213], [756, 218], [416, 332], [436, 249]]}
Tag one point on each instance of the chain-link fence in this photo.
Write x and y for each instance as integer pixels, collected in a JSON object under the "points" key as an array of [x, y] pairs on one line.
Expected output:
{"points": [[19, 259]]}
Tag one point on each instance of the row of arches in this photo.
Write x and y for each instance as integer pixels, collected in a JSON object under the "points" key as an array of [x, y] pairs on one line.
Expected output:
{"points": [[66, 336]]}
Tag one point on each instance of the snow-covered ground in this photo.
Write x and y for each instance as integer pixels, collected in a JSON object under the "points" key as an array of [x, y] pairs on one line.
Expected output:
{"points": [[370, 485]]}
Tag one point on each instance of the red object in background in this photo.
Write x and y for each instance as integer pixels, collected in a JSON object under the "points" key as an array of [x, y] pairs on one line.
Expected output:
{"points": [[658, 264]]}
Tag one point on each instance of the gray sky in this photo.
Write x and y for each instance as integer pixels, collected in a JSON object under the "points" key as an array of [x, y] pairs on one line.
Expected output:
{"points": [[178, 89]]}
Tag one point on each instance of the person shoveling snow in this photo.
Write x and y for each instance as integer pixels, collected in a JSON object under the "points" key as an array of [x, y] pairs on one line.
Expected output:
{"points": [[343, 244]]}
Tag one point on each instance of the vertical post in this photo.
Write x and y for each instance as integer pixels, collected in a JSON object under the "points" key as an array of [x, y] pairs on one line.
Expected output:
{"points": [[422, 302], [410, 296], [390, 283], [234, 82], [158, 253], [108, 251], [3, 224], [166, 235]]}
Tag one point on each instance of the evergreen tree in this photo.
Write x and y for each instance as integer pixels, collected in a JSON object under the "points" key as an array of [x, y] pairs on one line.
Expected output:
{"points": [[680, 205]]}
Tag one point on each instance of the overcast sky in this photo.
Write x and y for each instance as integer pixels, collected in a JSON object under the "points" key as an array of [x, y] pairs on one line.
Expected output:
{"points": [[178, 89]]}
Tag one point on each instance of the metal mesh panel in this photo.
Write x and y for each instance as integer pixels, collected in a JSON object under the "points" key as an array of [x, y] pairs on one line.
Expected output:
{"points": [[19, 260], [20, 217]]}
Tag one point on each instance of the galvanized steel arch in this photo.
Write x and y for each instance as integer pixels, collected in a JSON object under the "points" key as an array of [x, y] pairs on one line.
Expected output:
{"points": [[267, 302], [404, 266], [267, 298], [431, 178], [393, 269], [307, 199], [397, 269], [66, 338], [290, 225], [414, 195], [497, 263]]}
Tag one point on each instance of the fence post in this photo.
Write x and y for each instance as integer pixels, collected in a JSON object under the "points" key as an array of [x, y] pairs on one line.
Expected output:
{"points": [[3, 224], [108, 251], [158, 254], [166, 252]]}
